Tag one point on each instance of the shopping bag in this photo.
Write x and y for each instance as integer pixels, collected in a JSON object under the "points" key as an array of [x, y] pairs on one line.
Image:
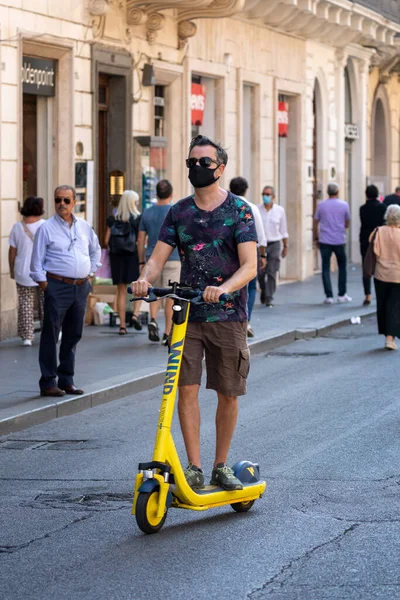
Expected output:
{"points": [[104, 272]]}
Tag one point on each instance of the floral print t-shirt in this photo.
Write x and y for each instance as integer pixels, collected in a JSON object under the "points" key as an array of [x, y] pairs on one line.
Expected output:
{"points": [[207, 243]]}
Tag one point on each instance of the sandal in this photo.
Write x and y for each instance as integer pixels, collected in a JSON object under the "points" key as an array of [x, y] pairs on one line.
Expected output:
{"points": [[136, 323], [123, 331]]}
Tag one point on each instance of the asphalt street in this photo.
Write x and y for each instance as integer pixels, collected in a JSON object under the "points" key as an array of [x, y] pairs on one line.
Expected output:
{"points": [[321, 417]]}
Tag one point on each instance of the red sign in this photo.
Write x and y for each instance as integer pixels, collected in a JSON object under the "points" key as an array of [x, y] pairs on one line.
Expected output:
{"points": [[197, 103], [283, 119]]}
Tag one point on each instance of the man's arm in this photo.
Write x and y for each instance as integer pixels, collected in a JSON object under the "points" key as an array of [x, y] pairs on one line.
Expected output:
{"points": [[152, 269], [38, 273], [94, 251], [140, 245], [247, 271], [284, 233], [12, 255]]}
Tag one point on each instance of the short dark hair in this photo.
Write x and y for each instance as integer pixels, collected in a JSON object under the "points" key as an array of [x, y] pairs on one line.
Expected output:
{"points": [[372, 192], [397, 190], [65, 187], [238, 186], [32, 207], [164, 189], [202, 140]]}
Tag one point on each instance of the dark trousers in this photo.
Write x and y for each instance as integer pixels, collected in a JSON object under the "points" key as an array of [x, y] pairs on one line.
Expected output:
{"points": [[340, 253], [64, 308], [388, 307], [366, 280], [252, 291], [267, 277]]}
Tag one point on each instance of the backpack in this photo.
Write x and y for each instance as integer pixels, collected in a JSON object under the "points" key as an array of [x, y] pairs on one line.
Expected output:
{"points": [[123, 236]]}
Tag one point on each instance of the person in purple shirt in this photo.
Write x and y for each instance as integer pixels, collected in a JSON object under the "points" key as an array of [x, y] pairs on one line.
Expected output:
{"points": [[333, 218]]}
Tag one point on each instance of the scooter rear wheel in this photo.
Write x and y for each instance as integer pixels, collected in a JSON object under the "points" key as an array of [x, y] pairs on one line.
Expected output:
{"points": [[242, 506], [146, 512]]}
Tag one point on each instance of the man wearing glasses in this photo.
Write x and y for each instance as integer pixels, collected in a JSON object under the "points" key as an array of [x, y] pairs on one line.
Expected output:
{"points": [[65, 255], [216, 238]]}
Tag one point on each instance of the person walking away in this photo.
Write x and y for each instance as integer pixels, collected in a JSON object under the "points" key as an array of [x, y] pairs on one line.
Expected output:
{"points": [[275, 228], [19, 259], [66, 252], [217, 242], [393, 198], [121, 239], [332, 217], [387, 276], [150, 226], [372, 215], [239, 187]]}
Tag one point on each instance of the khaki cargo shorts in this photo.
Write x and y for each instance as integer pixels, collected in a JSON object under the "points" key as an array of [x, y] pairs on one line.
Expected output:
{"points": [[170, 272], [227, 356]]}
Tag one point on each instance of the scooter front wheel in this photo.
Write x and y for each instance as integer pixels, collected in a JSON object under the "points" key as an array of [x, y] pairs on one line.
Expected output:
{"points": [[146, 512], [242, 506]]}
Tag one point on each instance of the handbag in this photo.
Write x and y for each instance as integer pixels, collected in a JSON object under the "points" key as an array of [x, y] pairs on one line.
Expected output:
{"points": [[370, 257]]}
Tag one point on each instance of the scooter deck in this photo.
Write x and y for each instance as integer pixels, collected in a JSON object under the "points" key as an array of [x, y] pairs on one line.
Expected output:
{"points": [[224, 496]]}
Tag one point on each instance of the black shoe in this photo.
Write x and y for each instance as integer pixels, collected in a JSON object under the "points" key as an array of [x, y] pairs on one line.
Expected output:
{"points": [[154, 332], [269, 305], [165, 340]]}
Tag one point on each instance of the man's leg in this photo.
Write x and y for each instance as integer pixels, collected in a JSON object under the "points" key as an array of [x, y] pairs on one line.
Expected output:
{"points": [[72, 329], [273, 257], [121, 304], [189, 418], [326, 253], [168, 315], [340, 253], [225, 420], [366, 280], [57, 300]]}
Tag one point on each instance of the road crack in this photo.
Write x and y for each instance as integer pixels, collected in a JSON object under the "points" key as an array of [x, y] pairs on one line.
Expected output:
{"points": [[285, 572], [17, 547]]}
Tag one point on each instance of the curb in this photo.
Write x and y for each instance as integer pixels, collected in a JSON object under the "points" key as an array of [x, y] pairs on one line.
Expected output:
{"points": [[69, 406]]}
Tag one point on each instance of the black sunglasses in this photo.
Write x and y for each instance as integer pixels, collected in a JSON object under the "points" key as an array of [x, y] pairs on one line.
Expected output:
{"points": [[204, 161], [58, 200]]}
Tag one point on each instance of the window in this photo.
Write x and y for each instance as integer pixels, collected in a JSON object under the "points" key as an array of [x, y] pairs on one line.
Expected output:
{"points": [[159, 110]]}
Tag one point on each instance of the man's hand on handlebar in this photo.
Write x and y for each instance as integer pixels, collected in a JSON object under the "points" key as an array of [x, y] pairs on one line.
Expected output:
{"points": [[212, 293], [140, 288]]}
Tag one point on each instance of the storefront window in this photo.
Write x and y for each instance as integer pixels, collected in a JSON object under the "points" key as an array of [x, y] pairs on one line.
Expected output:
{"points": [[151, 166], [29, 146]]}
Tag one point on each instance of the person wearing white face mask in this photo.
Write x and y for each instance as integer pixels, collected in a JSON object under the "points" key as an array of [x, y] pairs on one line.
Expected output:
{"points": [[275, 228]]}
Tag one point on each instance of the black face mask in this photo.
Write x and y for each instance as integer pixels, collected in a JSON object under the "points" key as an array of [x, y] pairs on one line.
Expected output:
{"points": [[201, 177]]}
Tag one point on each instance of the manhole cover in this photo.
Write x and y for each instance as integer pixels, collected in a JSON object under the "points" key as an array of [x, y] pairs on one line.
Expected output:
{"points": [[81, 500]]}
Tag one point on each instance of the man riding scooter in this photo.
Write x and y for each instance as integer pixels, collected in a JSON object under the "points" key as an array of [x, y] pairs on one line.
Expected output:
{"points": [[217, 242]]}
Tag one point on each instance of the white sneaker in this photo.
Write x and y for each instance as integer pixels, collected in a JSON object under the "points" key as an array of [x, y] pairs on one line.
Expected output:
{"points": [[344, 298], [250, 332], [390, 345], [328, 301], [59, 337], [27, 342]]}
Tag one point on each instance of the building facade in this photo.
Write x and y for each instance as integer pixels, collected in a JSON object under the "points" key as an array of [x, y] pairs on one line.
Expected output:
{"points": [[106, 95]]}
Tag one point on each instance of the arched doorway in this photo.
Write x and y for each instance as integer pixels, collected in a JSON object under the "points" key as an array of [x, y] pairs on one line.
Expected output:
{"points": [[317, 156], [380, 150]]}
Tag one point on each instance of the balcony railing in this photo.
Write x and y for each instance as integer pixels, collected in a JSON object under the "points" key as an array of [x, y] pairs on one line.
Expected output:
{"points": [[390, 9]]}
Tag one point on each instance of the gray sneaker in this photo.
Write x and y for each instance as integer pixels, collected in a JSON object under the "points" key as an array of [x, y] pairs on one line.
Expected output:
{"points": [[194, 477], [224, 477]]}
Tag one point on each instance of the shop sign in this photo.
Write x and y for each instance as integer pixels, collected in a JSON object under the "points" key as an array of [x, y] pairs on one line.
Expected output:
{"points": [[283, 119], [351, 132], [38, 76], [198, 102]]}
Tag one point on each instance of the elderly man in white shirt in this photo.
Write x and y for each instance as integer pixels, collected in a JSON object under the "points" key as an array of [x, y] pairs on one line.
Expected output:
{"points": [[275, 229], [239, 187], [66, 253]]}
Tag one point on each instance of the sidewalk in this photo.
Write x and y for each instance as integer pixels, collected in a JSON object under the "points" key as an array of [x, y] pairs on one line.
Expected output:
{"points": [[109, 366]]}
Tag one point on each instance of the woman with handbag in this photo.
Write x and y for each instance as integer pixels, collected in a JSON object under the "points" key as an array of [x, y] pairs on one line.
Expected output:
{"points": [[19, 259], [386, 248], [372, 215], [121, 239]]}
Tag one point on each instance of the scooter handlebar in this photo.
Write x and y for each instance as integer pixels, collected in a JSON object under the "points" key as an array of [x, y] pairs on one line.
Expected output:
{"points": [[185, 294]]}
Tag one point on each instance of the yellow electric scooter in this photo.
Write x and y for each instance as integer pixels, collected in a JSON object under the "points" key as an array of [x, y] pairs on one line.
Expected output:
{"points": [[161, 484]]}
